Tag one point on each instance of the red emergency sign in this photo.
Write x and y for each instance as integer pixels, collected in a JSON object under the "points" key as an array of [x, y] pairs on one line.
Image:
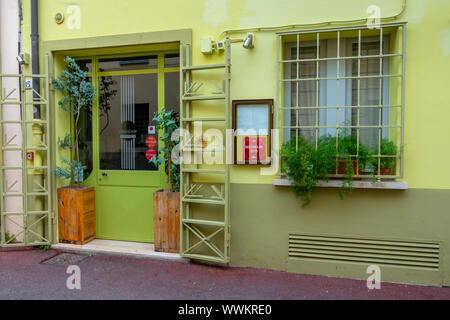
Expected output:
{"points": [[255, 149], [150, 154], [150, 141]]}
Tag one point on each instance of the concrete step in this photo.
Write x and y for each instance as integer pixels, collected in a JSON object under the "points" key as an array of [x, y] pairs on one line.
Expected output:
{"points": [[120, 248]]}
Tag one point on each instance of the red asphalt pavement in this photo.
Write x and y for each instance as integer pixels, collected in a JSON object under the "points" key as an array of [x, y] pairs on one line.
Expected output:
{"points": [[22, 276]]}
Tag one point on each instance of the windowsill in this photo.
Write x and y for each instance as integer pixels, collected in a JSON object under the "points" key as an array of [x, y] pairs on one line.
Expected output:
{"points": [[387, 185]]}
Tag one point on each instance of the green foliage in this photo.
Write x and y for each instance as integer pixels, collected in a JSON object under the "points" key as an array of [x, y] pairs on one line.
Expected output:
{"points": [[45, 248], [77, 95], [8, 237], [350, 154], [305, 165], [388, 148], [66, 143], [73, 170], [168, 122], [63, 173], [74, 84]]}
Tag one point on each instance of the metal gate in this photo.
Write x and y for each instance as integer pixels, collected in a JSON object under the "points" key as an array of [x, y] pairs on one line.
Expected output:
{"points": [[205, 189], [25, 182]]}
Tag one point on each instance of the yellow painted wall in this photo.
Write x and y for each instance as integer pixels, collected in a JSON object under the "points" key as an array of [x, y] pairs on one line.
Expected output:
{"points": [[427, 131]]}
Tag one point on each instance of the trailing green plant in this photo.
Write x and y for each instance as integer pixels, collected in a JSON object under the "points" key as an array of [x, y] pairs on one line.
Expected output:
{"points": [[77, 95], [387, 148], [305, 165], [351, 153], [168, 122]]}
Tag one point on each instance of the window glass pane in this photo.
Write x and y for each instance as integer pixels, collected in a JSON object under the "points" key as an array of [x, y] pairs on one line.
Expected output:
{"points": [[129, 63], [85, 140], [303, 93], [126, 112], [172, 60], [368, 93], [172, 91], [85, 65]]}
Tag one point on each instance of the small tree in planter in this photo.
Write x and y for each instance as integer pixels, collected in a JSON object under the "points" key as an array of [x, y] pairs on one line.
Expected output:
{"points": [[76, 204], [166, 203]]}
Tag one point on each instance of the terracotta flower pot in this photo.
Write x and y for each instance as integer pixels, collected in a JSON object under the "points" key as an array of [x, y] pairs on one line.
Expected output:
{"points": [[342, 168], [384, 172]]}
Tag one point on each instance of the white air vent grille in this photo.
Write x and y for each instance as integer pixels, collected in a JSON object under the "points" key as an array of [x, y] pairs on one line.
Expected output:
{"points": [[391, 253]]}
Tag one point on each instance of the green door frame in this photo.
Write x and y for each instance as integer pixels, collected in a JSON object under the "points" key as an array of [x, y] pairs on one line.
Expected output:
{"points": [[91, 46]]}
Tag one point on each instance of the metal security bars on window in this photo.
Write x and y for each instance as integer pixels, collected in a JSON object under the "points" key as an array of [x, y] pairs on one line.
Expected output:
{"points": [[345, 83]]}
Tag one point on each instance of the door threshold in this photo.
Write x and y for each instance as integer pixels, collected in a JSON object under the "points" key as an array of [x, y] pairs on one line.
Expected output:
{"points": [[120, 248]]}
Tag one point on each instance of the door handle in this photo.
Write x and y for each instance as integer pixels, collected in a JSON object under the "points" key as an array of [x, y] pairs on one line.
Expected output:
{"points": [[104, 174]]}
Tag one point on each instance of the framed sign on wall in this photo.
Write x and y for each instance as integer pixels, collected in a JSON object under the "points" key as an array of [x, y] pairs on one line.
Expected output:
{"points": [[252, 124]]}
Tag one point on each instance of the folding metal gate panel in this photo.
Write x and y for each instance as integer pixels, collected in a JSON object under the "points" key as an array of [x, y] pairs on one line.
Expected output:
{"points": [[205, 206], [25, 184]]}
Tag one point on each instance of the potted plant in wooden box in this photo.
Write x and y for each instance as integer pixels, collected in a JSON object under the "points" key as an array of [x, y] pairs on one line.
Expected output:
{"points": [[166, 202], [76, 203]]}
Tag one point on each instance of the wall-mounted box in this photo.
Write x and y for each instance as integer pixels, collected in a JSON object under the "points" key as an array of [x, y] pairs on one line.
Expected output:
{"points": [[206, 45]]}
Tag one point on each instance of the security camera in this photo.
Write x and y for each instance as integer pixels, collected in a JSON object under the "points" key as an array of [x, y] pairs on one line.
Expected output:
{"points": [[220, 46], [249, 41], [23, 58]]}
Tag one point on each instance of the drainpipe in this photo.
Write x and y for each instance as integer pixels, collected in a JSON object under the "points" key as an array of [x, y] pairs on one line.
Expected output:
{"points": [[19, 44], [35, 54], [36, 175]]}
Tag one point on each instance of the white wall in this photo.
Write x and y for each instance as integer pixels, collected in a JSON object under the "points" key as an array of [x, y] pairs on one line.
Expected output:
{"points": [[9, 28]]}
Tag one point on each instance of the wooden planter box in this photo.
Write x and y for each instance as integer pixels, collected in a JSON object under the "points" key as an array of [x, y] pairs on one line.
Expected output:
{"points": [[166, 218], [76, 214]]}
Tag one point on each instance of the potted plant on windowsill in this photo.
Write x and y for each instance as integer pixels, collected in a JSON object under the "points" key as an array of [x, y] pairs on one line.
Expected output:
{"points": [[388, 159], [305, 165], [76, 203], [166, 202], [353, 159]]}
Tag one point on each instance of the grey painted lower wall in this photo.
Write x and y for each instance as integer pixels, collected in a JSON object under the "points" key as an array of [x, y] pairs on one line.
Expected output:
{"points": [[263, 217]]}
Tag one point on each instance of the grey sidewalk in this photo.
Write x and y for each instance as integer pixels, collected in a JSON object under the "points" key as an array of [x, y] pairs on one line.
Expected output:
{"points": [[23, 276]]}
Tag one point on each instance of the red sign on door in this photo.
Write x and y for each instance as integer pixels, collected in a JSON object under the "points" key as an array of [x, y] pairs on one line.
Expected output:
{"points": [[255, 149], [150, 154], [150, 141]]}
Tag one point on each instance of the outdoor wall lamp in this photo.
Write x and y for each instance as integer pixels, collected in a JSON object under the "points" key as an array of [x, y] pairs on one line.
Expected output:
{"points": [[208, 46], [249, 42], [23, 59]]}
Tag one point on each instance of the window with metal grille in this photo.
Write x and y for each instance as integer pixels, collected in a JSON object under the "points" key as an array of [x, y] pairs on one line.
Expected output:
{"points": [[345, 83]]}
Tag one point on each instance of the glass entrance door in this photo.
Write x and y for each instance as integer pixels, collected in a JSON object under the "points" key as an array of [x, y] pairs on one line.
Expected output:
{"points": [[131, 89], [127, 130]]}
